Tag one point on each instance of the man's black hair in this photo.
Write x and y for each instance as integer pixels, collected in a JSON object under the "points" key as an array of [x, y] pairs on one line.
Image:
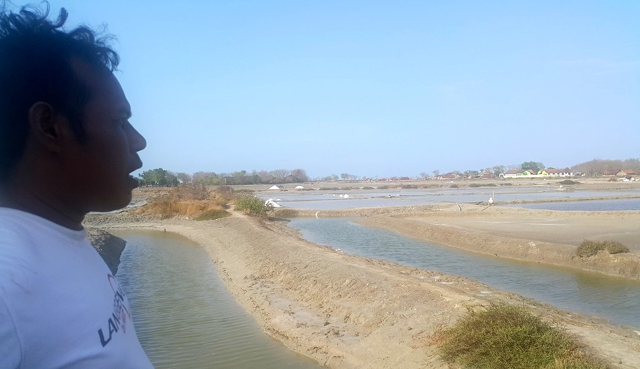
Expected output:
{"points": [[35, 66]]}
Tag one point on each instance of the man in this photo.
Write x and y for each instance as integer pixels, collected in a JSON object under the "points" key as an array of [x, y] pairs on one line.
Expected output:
{"points": [[66, 148]]}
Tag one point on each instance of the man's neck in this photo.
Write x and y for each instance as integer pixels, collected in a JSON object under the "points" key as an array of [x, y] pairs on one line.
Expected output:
{"points": [[45, 206]]}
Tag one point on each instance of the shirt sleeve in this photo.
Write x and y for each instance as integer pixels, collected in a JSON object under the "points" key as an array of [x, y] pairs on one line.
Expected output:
{"points": [[10, 350]]}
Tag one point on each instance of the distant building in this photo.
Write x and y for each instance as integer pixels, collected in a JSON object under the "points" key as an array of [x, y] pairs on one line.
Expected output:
{"points": [[556, 172], [627, 173]]}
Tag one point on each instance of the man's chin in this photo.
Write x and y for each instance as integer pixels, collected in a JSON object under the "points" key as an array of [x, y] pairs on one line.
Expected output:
{"points": [[114, 203]]}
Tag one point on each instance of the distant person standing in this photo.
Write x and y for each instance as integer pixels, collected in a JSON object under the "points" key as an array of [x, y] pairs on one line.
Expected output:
{"points": [[66, 148]]}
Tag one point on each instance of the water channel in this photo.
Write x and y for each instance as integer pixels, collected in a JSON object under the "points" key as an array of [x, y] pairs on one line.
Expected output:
{"points": [[185, 316], [615, 299]]}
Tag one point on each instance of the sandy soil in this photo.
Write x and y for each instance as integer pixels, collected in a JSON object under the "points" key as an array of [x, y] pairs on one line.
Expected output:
{"points": [[353, 312]]}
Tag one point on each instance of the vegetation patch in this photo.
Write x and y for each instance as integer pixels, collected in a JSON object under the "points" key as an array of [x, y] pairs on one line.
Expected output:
{"points": [[184, 200], [286, 213], [454, 186], [569, 182], [253, 205], [367, 188], [213, 214], [589, 248], [507, 336], [408, 186]]}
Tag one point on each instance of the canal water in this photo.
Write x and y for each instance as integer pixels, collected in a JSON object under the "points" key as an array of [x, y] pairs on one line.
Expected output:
{"points": [[184, 315], [615, 299]]}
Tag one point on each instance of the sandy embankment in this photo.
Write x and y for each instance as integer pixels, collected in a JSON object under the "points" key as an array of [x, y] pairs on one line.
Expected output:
{"points": [[353, 312]]}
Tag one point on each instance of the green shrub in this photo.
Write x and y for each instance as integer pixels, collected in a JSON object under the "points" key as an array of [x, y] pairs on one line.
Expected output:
{"points": [[245, 191], [615, 247], [569, 182], [506, 184], [589, 248], [253, 205], [454, 186], [507, 336], [285, 213], [367, 188], [212, 214], [475, 185], [383, 187], [408, 186]]}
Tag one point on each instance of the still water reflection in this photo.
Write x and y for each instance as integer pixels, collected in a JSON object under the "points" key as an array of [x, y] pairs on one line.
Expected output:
{"points": [[613, 298], [185, 316]]}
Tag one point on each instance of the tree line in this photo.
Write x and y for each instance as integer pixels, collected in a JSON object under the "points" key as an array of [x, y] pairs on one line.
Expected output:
{"points": [[162, 177]]}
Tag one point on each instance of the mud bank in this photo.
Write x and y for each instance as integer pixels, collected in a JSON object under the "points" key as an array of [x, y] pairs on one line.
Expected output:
{"points": [[353, 312], [108, 246]]}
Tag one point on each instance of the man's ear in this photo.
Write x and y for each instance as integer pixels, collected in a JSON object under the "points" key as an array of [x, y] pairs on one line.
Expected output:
{"points": [[47, 126]]}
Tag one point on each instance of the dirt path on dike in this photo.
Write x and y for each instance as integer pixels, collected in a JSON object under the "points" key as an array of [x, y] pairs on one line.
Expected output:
{"points": [[353, 312]]}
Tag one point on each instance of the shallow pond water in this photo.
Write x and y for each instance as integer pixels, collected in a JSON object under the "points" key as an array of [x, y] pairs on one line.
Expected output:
{"points": [[184, 315]]}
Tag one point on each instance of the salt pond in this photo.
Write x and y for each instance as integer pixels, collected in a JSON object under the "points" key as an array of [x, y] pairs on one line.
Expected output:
{"points": [[336, 199]]}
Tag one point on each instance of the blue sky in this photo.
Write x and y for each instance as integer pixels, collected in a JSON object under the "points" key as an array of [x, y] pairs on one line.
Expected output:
{"points": [[376, 88]]}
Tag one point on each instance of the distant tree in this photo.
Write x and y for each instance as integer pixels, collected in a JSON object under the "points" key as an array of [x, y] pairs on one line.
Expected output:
{"points": [[183, 177], [265, 177], [424, 175], [498, 169], [532, 165], [334, 177], [170, 179], [436, 173], [597, 167], [299, 175], [344, 176], [470, 173], [280, 175], [207, 178], [158, 177]]}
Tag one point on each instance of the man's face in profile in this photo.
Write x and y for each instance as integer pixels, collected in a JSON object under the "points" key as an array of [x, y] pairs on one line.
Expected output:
{"points": [[100, 166]]}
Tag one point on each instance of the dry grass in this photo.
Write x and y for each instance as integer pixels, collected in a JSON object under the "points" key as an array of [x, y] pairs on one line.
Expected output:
{"points": [[189, 200], [507, 336]]}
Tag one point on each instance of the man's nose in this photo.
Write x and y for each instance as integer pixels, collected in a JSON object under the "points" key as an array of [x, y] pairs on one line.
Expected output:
{"points": [[137, 141]]}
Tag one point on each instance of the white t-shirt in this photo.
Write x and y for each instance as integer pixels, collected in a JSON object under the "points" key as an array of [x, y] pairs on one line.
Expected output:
{"points": [[60, 307]]}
